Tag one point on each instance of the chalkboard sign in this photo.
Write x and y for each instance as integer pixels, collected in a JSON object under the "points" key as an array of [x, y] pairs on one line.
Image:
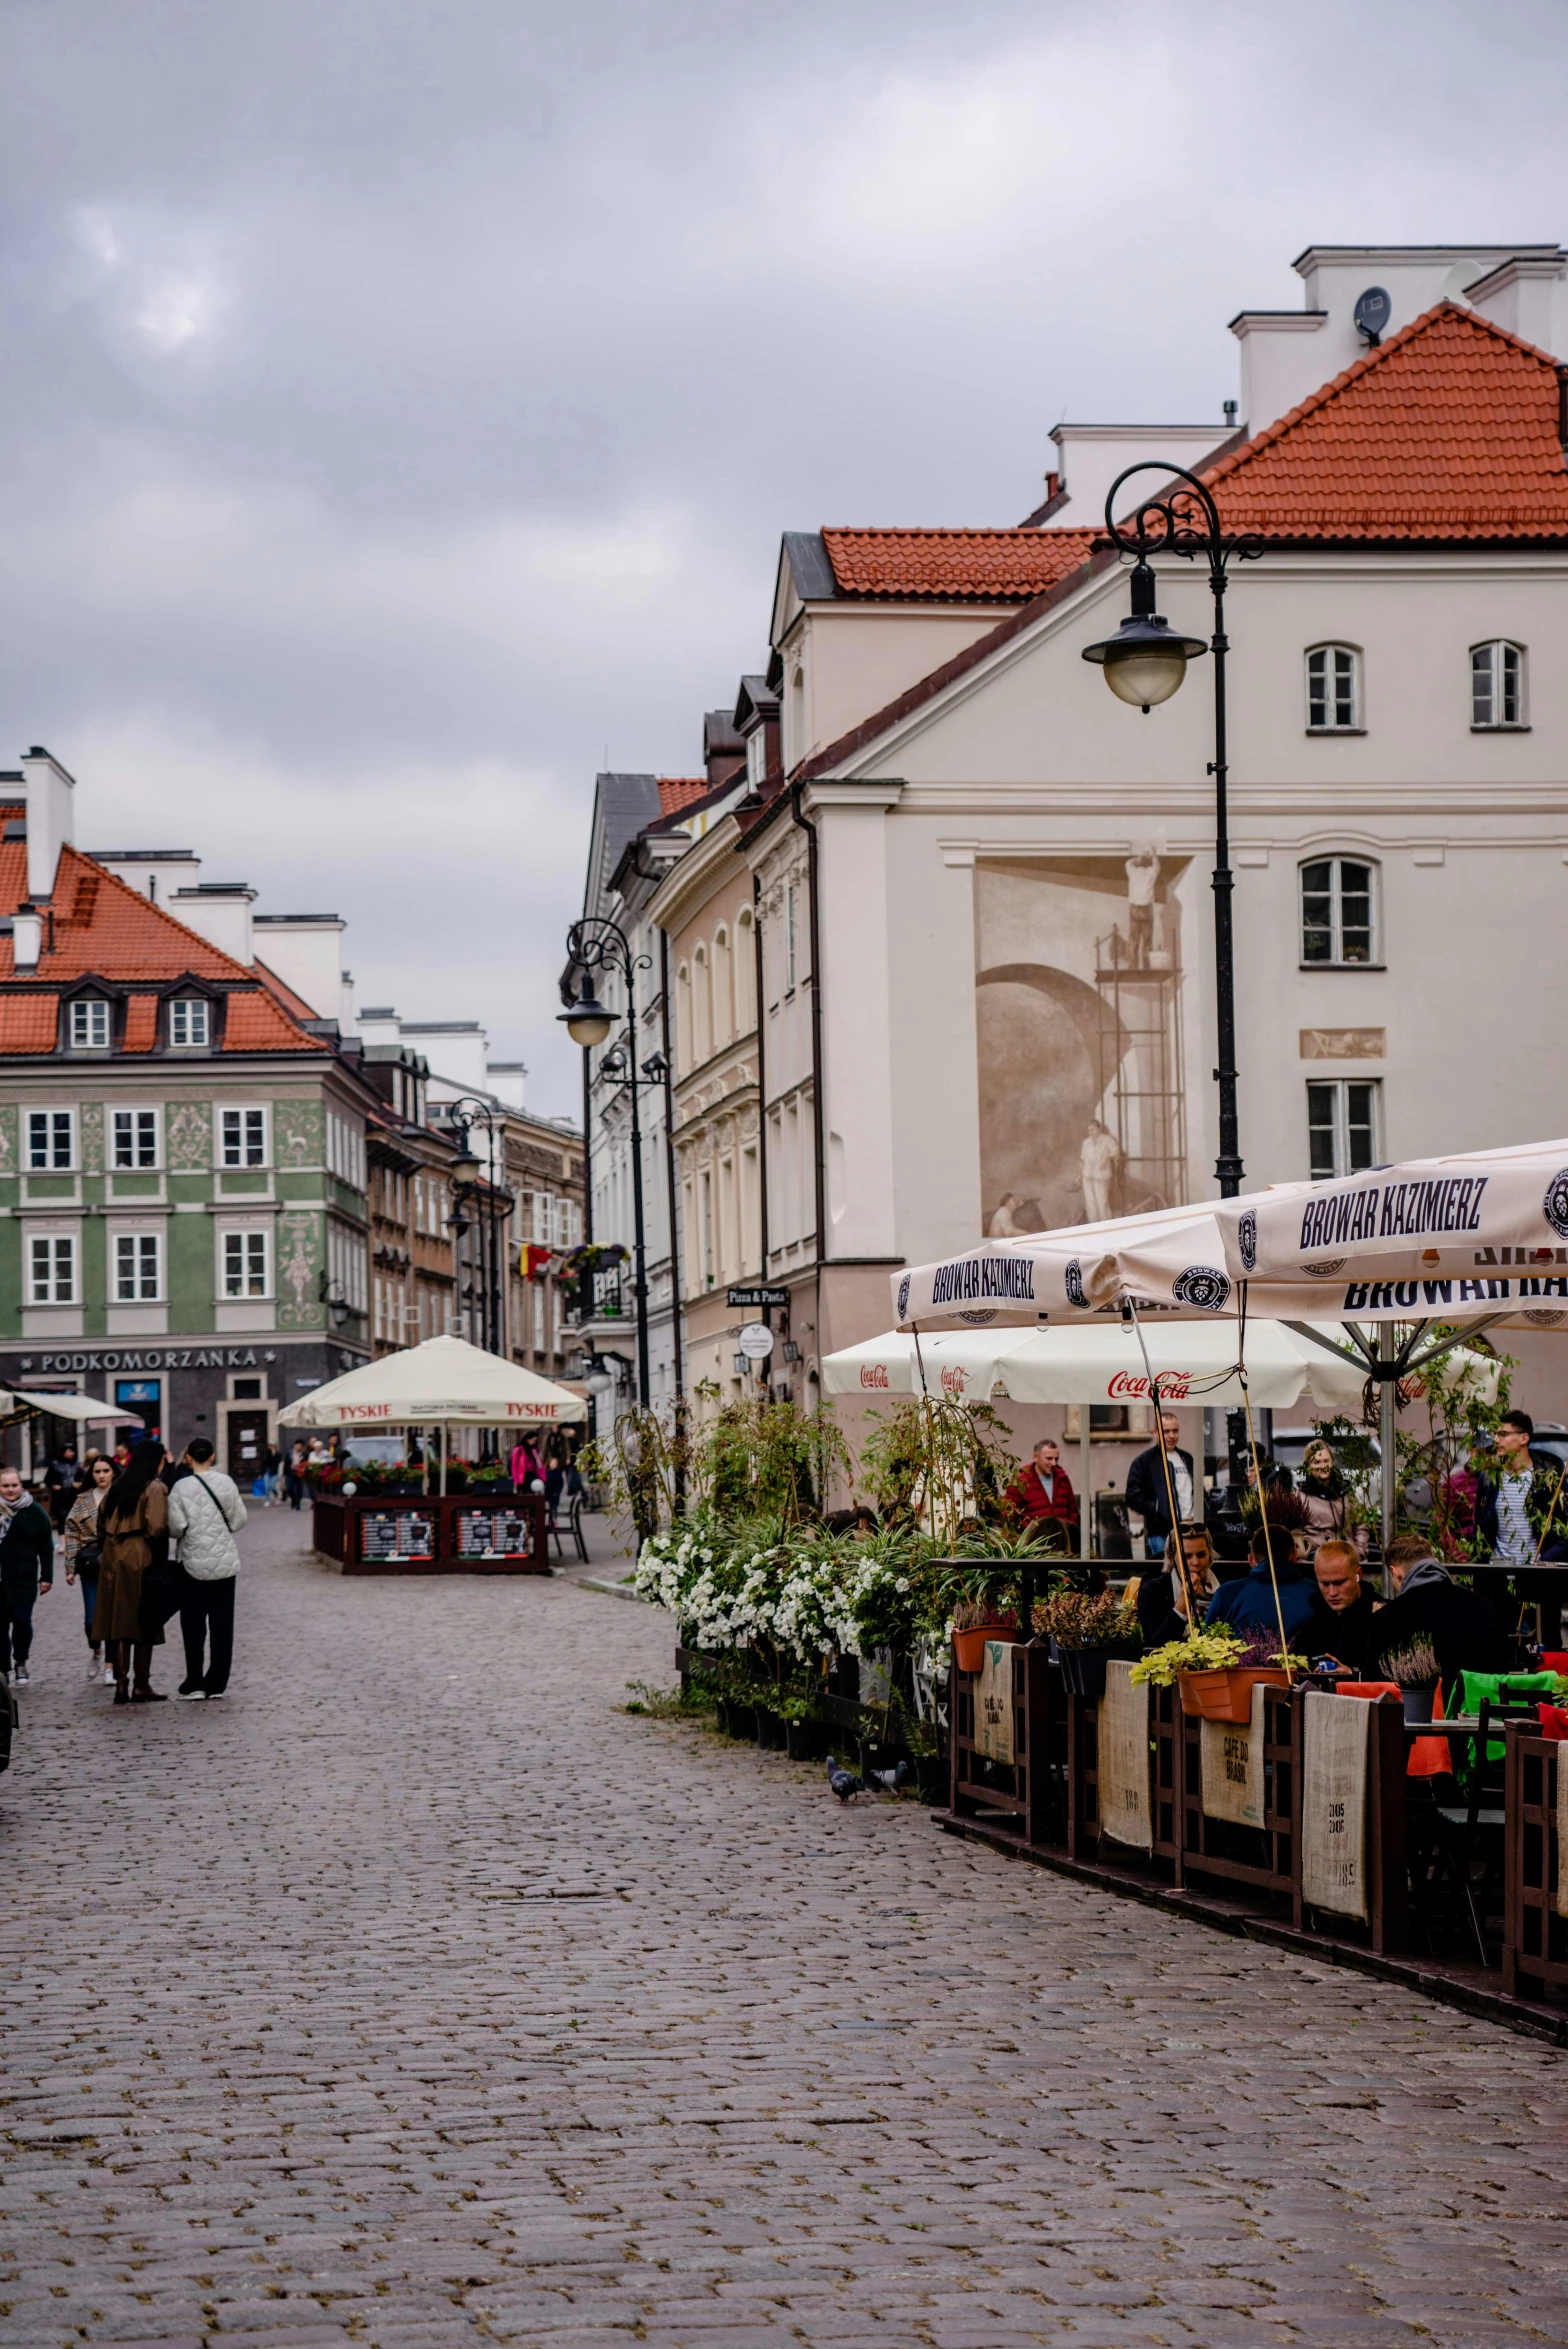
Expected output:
{"points": [[388, 1536], [494, 1533]]}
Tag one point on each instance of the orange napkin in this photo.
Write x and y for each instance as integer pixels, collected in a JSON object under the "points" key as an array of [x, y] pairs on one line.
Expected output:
{"points": [[1429, 1756]]}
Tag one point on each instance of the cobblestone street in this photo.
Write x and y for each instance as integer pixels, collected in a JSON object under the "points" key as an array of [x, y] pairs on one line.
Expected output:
{"points": [[418, 1996]]}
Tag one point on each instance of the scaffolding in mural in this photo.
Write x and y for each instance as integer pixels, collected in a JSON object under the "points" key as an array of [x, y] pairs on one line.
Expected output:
{"points": [[1142, 1102]]}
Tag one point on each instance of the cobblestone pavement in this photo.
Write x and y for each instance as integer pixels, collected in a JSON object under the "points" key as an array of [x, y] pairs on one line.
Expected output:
{"points": [[417, 1996]]}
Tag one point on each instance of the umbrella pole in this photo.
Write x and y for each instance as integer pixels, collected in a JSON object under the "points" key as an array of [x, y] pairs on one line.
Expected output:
{"points": [[1085, 1485], [1388, 1442], [442, 1432]]}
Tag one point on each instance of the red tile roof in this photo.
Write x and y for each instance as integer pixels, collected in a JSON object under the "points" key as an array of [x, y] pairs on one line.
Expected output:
{"points": [[285, 994], [29, 1023], [96, 924], [954, 566], [1451, 430], [678, 791]]}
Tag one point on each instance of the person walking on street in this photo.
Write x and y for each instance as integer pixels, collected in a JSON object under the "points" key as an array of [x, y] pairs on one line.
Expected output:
{"points": [[63, 1479], [294, 1476], [524, 1465], [205, 1513], [133, 1539], [271, 1477], [82, 1557], [26, 1571]]}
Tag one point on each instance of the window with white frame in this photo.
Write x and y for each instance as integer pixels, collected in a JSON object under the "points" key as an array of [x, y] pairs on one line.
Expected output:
{"points": [[756, 756], [1497, 686], [1342, 1125], [137, 1268], [1334, 689], [789, 937], [135, 1133], [51, 1140], [51, 1268], [247, 1267], [1339, 911], [89, 1024], [244, 1137], [190, 1023]]}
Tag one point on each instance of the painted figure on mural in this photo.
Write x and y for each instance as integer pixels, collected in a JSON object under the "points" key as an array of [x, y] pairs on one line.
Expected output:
{"points": [[1143, 875], [1100, 1160]]}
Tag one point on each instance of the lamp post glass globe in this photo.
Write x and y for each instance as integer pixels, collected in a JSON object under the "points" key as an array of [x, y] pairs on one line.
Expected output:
{"points": [[587, 1022], [1145, 661]]}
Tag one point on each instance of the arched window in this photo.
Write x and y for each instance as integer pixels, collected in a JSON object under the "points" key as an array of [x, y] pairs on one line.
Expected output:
{"points": [[723, 997], [701, 1007], [1334, 698], [745, 974], [683, 1019], [1497, 678], [1339, 914]]}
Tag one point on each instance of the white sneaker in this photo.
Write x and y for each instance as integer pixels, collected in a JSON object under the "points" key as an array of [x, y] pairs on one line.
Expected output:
{"points": [[21, 1678], [191, 1696], [213, 1694], [94, 1667], [108, 1676]]}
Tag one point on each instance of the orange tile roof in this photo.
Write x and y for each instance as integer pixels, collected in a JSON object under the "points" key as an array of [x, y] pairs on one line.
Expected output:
{"points": [[678, 791], [96, 924], [29, 1023], [141, 1023], [285, 994], [954, 566], [257, 1023], [1451, 430]]}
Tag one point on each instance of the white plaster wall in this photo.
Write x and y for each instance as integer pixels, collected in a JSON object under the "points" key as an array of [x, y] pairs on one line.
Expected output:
{"points": [[856, 658], [852, 827]]}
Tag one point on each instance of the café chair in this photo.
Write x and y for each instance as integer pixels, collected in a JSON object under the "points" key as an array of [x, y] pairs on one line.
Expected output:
{"points": [[571, 1522], [1470, 1833]]}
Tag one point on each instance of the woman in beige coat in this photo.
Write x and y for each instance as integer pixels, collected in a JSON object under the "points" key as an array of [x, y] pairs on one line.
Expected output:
{"points": [[133, 1537]]}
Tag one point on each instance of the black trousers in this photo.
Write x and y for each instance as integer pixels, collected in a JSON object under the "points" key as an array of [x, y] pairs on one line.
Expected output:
{"points": [[207, 1609], [16, 1629]]}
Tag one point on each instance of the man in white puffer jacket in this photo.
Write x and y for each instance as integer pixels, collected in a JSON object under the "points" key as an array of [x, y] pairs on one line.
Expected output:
{"points": [[205, 1513]]}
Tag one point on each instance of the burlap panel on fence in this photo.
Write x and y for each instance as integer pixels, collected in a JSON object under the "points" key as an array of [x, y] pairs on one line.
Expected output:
{"points": [[1562, 1830], [994, 1702], [1232, 1760], [1126, 1814], [1334, 1804]]}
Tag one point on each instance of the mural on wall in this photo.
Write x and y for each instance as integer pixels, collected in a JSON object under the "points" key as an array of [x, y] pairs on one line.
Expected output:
{"points": [[189, 1126], [92, 1137], [301, 1257], [1078, 1007], [8, 1157], [298, 1133]]}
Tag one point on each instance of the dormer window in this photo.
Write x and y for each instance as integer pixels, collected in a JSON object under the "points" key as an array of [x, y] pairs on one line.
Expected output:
{"points": [[190, 1023], [89, 1024], [757, 757]]}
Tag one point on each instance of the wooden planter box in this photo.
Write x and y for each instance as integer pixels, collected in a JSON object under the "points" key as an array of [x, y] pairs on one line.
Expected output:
{"points": [[1028, 1800], [1535, 1937], [458, 1533]]}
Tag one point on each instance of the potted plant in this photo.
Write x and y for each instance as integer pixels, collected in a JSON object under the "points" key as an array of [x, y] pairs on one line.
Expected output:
{"points": [[974, 1622], [1413, 1670], [1085, 1632], [1216, 1671]]}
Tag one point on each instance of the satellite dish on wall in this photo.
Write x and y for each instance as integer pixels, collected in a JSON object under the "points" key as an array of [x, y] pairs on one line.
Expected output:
{"points": [[1463, 273], [1372, 314]]}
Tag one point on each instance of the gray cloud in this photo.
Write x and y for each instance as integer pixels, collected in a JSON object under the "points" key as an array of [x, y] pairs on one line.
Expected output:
{"points": [[403, 403]]}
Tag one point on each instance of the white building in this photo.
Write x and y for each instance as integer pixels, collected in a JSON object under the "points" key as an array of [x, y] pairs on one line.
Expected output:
{"points": [[1007, 1026]]}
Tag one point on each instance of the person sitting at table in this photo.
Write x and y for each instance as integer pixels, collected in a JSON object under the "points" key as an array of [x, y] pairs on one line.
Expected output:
{"points": [[1162, 1599], [1430, 1605], [1250, 1601], [1340, 1623], [1042, 1491]]}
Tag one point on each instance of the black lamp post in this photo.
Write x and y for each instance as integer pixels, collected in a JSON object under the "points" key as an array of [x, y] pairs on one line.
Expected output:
{"points": [[1144, 663], [475, 1185], [598, 944]]}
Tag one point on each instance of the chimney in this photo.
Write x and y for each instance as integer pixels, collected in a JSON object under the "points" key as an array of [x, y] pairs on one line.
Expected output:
{"points": [[306, 951], [50, 819], [27, 937], [218, 911]]}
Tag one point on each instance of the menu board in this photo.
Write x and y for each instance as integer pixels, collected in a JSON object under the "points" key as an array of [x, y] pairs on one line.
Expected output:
{"points": [[494, 1533], [387, 1536]]}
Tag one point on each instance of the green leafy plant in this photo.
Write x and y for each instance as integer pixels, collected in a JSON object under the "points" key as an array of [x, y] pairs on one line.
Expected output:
{"points": [[1200, 1651]]}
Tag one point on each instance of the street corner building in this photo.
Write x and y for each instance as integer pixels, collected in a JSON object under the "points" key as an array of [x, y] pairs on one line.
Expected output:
{"points": [[182, 1152]]}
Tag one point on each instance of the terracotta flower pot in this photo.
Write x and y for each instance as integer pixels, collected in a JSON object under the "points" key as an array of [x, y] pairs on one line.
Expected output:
{"points": [[1226, 1696], [969, 1646]]}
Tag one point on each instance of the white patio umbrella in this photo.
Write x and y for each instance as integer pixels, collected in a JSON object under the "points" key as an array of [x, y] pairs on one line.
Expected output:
{"points": [[445, 1382], [86, 1410], [1490, 1222]]}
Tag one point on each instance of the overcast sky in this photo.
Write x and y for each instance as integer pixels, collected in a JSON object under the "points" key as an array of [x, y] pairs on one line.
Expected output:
{"points": [[402, 403]]}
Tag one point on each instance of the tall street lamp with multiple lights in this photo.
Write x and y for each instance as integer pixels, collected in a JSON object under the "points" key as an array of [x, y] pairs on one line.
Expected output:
{"points": [[1144, 663], [598, 944]]}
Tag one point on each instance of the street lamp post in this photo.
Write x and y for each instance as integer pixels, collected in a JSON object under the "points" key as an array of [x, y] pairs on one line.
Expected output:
{"points": [[598, 944], [1144, 663], [465, 1114]]}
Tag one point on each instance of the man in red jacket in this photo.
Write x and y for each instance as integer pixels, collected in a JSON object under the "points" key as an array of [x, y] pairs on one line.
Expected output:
{"points": [[1043, 1490]]}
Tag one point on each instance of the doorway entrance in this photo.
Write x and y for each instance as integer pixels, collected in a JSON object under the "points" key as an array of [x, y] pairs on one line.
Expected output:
{"points": [[247, 1443]]}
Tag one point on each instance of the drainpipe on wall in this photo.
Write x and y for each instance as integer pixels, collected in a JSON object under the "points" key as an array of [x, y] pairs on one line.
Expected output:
{"points": [[669, 1169], [762, 1079], [817, 1106]]}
